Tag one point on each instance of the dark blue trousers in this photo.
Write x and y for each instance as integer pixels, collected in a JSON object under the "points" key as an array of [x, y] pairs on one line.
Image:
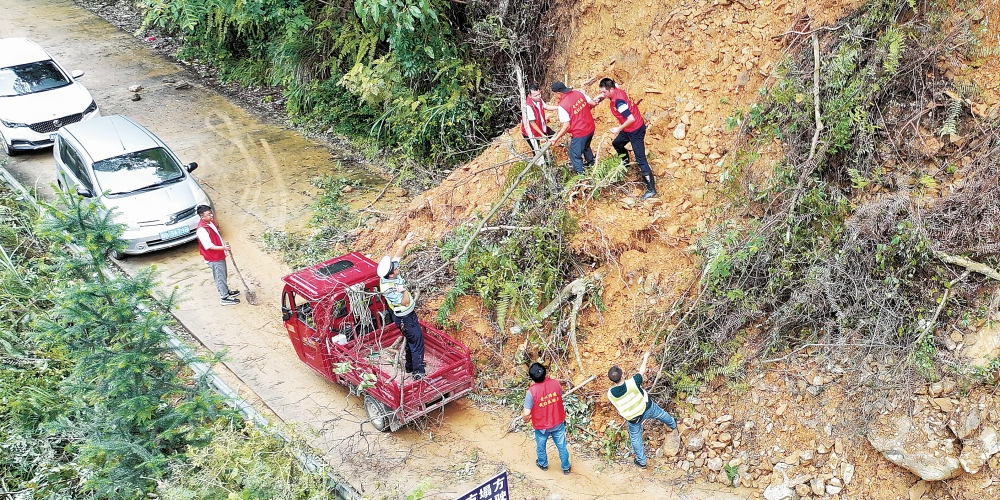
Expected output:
{"points": [[638, 140], [409, 325], [580, 154]]}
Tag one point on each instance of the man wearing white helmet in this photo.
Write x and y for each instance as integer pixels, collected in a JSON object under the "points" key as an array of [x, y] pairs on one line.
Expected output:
{"points": [[393, 288]]}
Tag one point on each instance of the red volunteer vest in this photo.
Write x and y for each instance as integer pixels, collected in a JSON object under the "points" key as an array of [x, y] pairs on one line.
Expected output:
{"points": [[619, 94], [536, 107], [581, 121], [211, 255], [547, 405]]}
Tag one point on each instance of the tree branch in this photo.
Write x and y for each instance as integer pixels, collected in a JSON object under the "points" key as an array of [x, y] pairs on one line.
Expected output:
{"points": [[973, 266]]}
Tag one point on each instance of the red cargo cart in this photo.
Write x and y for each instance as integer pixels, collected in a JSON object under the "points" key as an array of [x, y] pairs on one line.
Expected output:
{"points": [[341, 327]]}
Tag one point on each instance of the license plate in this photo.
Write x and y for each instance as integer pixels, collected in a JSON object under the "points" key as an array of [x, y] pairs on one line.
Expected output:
{"points": [[175, 233]]}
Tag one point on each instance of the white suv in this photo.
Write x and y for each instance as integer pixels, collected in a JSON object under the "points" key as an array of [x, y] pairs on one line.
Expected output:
{"points": [[37, 97]]}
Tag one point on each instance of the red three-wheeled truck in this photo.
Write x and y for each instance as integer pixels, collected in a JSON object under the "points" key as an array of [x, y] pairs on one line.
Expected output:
{"points": [[341, 327]]}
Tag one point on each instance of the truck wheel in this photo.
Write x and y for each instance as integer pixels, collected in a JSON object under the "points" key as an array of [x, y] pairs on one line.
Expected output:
{"points": [[379, 414]]}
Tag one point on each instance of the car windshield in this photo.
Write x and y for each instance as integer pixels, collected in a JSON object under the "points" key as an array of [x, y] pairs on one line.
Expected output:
{"points": [[137, 171], [30, 78]]}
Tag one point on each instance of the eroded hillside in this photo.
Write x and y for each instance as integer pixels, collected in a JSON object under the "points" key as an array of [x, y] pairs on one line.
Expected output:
{"points": [[694, 67]]}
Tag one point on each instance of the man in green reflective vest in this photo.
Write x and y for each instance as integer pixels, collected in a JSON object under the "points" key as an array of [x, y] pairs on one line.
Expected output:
{"points": [[635, 406]]}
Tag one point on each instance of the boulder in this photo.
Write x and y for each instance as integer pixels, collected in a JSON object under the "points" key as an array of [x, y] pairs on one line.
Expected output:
{"points": [[904, 443]]}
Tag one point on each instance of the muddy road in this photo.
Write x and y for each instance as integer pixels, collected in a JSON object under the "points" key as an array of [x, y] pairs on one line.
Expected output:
{"points": [[257, 175]]}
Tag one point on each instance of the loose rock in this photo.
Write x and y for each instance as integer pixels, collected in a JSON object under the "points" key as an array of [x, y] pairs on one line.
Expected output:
{"points": [[679, 131]]}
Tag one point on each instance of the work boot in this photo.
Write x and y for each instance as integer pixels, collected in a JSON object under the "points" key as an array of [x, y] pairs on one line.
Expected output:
{"points": [[650, 188]]}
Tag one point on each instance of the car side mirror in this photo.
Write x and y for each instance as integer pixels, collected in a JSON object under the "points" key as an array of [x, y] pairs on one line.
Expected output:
{"points": [[82, 191], [77, 73], [286, 314], [191, 166]]}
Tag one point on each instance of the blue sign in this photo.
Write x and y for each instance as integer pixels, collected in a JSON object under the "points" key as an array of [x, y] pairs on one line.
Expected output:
{"points": [[495, 488]]}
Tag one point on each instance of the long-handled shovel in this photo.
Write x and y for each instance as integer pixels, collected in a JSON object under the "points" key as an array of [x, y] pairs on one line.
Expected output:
{"points": [[250, 295]]}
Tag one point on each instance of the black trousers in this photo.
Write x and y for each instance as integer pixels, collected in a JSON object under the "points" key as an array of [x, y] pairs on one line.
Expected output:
{"points": [[409, 326], [637, 138]]}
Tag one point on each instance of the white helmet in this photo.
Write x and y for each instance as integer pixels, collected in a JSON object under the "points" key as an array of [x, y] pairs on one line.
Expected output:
{"points": [[384, 267]]}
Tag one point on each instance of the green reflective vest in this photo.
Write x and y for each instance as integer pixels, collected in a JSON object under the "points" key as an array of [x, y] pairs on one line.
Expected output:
{"points": [[632, 404]]}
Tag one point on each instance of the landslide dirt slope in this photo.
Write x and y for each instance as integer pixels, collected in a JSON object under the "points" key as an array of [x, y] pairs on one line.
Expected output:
{"points": [[691, 64]]}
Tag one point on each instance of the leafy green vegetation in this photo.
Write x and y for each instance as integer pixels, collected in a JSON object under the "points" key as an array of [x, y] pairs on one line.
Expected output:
{"points": [[92, 402], [428, 79]]}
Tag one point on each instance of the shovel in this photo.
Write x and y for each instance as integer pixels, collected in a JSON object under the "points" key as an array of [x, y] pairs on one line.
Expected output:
{"points": [[249, 294]]}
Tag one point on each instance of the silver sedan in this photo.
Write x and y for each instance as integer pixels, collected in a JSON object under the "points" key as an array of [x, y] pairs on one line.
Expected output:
{"points": [[133, 173]]}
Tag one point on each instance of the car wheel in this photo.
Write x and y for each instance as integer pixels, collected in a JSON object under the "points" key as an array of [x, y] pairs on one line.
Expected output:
{"points": [[378, 413], [115, 254]]}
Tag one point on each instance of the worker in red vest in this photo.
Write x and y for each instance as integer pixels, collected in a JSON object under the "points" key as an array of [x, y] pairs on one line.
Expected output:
{"points": [[574, 114], [533, 125], [214, 251], [631, 129], [543, 406]]}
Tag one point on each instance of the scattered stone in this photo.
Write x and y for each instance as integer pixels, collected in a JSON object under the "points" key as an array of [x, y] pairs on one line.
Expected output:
{"points": [[347, 188], [135, 97], [918, 489], [817, 486], [779, 492], [679, 131], [964, 424], [743, 78], [833, 490], [957, 336], [715, 464], [947, 386], [135, 88], [846, 472], [169, 80], [935, 389], [806, 456], [182, 85], [672, 445], [695, 443], [802, 490], [781, 409], [975, 452], [904, 443], [945, 404]]}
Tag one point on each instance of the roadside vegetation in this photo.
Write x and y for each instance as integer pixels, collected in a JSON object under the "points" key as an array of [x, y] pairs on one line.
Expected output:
{"points": [[430, 81], [93, 403]]}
